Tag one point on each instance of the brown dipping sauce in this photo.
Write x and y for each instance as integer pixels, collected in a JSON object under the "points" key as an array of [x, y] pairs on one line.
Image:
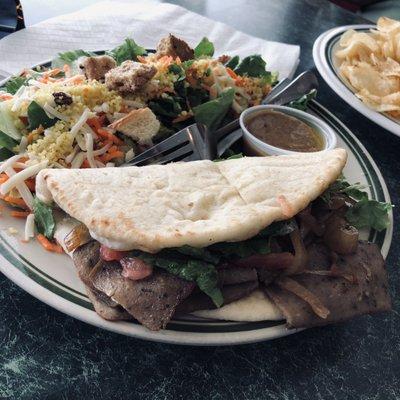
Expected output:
{"points": [[284, 131]]}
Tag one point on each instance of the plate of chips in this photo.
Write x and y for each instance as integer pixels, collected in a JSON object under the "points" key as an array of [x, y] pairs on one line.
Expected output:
{"points": [[361, 63]]}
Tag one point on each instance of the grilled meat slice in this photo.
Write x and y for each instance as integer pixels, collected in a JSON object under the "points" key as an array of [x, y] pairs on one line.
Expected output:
{"points": [[343, 296], [86, 258], [152, 301], [105, 307]]}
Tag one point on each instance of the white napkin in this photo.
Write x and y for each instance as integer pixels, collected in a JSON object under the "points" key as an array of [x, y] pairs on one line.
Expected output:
{"points": [[105, 25]]}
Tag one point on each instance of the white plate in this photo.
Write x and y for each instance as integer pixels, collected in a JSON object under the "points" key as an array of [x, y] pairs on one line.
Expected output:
{"points": [[52, 278], [324, 59]]}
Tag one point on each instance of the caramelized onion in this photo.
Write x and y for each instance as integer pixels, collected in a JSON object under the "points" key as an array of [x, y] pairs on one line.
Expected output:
{"points": [[300, 259], [311, 222], [77, 237], [272, 261], [300, 291], [340, 236]]}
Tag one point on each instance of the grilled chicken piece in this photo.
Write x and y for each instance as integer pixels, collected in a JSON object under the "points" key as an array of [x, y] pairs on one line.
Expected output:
{"points": [[174, 47], [96, 67], [129, 77]]}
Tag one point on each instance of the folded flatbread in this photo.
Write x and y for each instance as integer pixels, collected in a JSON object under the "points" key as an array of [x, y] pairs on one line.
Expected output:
{"points": [[196, 203]]}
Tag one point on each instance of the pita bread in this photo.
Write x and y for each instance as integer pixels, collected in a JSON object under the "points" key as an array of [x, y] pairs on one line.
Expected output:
{"points": [[195, 203], [255, 307]]}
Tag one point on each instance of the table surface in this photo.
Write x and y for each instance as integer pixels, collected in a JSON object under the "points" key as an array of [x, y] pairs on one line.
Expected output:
{"points": [[45, 354]]}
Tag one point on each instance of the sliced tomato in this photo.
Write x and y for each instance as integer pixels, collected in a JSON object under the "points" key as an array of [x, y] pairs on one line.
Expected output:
{"points": [[134, 268], [108, 254]]}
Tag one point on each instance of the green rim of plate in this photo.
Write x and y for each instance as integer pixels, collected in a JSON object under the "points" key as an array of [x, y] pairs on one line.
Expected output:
{"points": [[198, 325]]}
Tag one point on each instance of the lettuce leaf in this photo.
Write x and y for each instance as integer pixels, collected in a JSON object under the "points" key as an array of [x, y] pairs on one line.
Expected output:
{"points": [[253, 66], [168, 106], [69, 57], [129, 50], [5, 154], [204, 49], [7, 142], [37, 116], [44, 219], [213, 112], [302, 102], [369, 214], [233, 62], [13, 84], [202, 273], [365, 213], [7, 125], [259, 244]]}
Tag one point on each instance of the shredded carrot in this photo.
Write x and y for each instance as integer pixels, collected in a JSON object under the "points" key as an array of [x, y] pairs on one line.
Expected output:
{"points": [[30, 137], [231, 73], [77, 79], [52, 72], [112, 149], [49, 246], [102, 119], [141, 59], [109, 156], [124, 108], [108, 135], [6, 96], [85, 164], [94, 123], [3, 177], [31, 184], [19, 214], [15, 201], [66, 68], [182, 118]]}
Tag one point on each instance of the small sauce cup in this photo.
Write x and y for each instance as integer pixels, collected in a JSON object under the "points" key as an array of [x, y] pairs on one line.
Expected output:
{"points": [[255, 146]]}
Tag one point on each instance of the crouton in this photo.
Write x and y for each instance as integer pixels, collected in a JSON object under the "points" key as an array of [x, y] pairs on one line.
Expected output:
{"points": [[95, 68], [172, 46], [129, 76], [141, 125]]}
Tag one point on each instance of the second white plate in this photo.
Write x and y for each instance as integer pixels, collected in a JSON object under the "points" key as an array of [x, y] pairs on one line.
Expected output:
{"points": [[323, 54]]}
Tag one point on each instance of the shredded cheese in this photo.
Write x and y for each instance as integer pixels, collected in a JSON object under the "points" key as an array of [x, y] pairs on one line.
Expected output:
{"points": [[72, 155], [52, 112], [89, 150], [23, 190], [102, 150], [81, 121], [130, 154], [23, 144], [10, 162], [78, 160], [29, 227], [21, 176]]}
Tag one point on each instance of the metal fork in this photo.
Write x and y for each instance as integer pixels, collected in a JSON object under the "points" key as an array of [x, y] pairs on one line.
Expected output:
{"points": [[196, 142]]}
